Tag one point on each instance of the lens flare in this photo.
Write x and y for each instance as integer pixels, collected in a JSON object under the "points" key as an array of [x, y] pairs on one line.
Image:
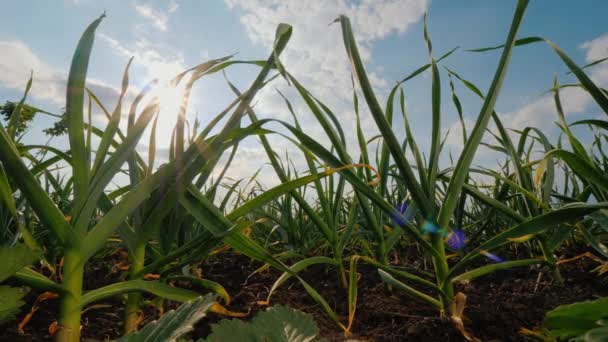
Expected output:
{"points": [[430, 228], [403, 214], [456, 239], [492, 256]]}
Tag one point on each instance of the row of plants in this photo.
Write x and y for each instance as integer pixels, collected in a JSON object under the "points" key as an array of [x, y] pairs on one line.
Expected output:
{"points": [[60, 211]]}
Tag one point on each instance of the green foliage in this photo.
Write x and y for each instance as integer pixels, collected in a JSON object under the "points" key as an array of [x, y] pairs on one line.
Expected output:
{"points": [[60, 127], [16, 258], [347, 206], [173, 324], [276, 324], [26, 113], [10, 302], [584, 321], [13, 260]]}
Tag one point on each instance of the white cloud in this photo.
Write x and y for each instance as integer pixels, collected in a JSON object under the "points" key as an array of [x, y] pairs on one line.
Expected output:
{"points": [[148, 56], [598, 49], [316, 55], [173, 6], [542, 112], [157, 17], [18, 60]]}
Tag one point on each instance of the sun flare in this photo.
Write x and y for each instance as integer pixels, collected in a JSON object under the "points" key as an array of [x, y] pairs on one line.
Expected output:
{"points": [[170, 99]]}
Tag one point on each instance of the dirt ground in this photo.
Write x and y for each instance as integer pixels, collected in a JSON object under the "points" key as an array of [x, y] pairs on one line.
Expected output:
{"points": [[497, 307]]}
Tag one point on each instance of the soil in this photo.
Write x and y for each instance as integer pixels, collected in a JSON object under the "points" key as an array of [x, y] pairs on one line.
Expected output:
{"points": [[497, 306]]}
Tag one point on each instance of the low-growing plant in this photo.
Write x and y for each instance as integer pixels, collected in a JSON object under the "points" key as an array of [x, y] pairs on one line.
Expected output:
{"points": [[275, 324], [437, 212], [348, 206], [583, 321]]}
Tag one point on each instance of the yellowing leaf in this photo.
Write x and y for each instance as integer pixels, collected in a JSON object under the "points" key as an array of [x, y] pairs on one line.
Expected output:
{"points": [[538, 174], [522, 238]]}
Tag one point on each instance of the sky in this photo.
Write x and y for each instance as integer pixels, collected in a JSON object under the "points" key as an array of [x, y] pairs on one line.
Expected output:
{"points": [[166, 37]]}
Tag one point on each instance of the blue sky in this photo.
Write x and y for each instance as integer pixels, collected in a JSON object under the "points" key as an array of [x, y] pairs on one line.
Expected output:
{"points": [[167, 36]]}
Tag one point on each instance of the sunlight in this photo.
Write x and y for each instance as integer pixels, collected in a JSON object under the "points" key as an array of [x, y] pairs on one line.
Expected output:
{"points": [[170, 98]]}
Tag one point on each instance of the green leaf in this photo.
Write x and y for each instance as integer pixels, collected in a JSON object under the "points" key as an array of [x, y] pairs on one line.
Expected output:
{"points": [[481, 271], [596, 335], [201, 151], [173, 324], [232, 330], [599, 123], [218, 289], [576, 319], [16, 258], [15, 119], [112, 127], [390, 280], [297, 267], [461, 170], [281, 323], [601, 218], [276, 324], [107, 171], [38, 281], [421, 199], [113, 219], [154, 287], [567, 213], [10, 302], [594, 241], [74, 111], [323, 226], [583, 168], [600, 97], [27, 183]]}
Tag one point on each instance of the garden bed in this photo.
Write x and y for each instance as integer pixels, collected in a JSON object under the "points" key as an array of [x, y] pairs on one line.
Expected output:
{"points": [[498, 305]]}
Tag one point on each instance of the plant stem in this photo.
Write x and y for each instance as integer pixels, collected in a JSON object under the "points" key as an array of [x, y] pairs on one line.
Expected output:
{"points": [[441, 271], [341, 271], [551, 262], [70, 310], [134, 298]]}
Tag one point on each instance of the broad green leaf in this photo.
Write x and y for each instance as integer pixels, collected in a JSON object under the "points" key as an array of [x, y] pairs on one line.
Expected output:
{"points": [[173, 324], [276, 324], [596, 335], [16, 258], [576, 319], [10, 302], [285, 324]]}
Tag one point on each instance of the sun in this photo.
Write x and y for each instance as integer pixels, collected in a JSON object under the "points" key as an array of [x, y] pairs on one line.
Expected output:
{"points": [[170, 98]]}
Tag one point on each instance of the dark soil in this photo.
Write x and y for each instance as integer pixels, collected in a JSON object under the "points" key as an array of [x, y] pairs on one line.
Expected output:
{"points": [[497, 305]]}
